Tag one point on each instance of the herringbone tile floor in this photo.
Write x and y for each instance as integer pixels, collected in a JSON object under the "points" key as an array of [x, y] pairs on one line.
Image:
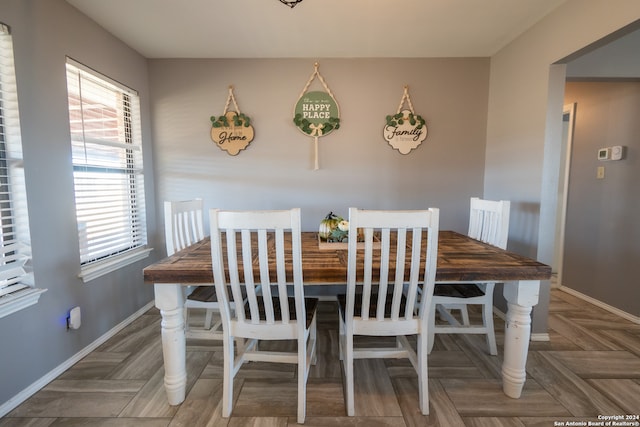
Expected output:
{"points": [[589, 368]]}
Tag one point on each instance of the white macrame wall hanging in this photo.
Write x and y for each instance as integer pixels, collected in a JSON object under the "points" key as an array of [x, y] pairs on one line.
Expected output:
{"points": [[316, 114], [405, 130], [232, 131]]}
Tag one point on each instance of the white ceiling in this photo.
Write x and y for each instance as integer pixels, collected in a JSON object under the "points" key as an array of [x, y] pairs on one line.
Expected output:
{"points": [[316, 28]]}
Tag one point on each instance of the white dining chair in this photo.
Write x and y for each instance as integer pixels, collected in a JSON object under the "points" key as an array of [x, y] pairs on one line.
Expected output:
{"points": [[183, 226], [489, 223], [270, 241], [385, 307]]}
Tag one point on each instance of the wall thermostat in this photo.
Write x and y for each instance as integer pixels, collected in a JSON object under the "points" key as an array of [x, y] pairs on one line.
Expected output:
{"points": [[617, 152], [603, 154]]}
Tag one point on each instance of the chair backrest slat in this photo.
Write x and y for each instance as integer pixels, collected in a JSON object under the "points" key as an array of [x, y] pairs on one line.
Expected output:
{"points": [[414, 275], [234, 276], [281, 275], [265, 282], [389, 230], [266, 253], [400, 259], [182, 224], [489, 221], [249, 279]]}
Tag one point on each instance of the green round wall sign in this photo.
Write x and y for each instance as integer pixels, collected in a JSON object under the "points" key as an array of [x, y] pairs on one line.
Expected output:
{"points": [[317, 114]]}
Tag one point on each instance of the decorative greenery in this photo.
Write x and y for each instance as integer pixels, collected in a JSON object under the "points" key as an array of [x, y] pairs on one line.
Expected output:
{"points": [[303, 124], [398, 119], [223, 121], [338, 235]]}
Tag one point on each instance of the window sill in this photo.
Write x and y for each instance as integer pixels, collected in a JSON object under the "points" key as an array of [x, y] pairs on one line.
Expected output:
{"points": [[100, 268], [18, 300]]}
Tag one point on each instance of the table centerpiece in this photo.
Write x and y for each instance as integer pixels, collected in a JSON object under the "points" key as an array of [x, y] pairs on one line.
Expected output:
{"points": [[333, 234]]}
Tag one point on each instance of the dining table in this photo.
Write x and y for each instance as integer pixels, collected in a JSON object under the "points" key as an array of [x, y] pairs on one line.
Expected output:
{"points": [[460, 259]]}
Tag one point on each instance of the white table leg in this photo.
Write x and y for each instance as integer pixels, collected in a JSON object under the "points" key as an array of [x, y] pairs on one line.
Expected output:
{"points": [[521, 297], [170, 301]]}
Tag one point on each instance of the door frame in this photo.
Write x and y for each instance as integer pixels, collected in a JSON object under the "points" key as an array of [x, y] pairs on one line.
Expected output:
{"points": [[563, 187]]}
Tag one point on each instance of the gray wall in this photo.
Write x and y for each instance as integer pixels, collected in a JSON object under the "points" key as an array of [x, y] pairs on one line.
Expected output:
{"points": [[618, 59], [524, 128], [35, 340], [357, 166], [602, 238]]}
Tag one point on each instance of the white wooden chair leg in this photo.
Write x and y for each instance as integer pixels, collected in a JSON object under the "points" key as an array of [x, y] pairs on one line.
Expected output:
{"points": [[227, 383], [423, 374], [487, 315], [465, 315], [314, 342], [341, 337], [348, 373], [207, 319], [302, 379], [431, 332]]}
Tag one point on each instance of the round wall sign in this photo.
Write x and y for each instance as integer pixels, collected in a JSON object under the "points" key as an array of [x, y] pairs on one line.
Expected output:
{"points": [[317, 114]]}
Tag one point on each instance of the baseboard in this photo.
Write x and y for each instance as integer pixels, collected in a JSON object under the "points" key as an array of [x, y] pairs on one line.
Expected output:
{"points": [[543, 337], [16, 400], [628, 316]]}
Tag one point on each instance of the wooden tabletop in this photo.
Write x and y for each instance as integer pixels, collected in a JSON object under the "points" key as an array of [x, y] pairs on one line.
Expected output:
{"points": [[460, 258]]}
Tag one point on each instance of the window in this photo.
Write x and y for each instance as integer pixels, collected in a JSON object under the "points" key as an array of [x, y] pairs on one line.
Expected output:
{"points": [[16, 277], [104, 118]]}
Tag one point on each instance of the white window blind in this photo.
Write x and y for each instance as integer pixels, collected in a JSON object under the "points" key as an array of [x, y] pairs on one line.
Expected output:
{"points": [[104, 119], [16, 277]]}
